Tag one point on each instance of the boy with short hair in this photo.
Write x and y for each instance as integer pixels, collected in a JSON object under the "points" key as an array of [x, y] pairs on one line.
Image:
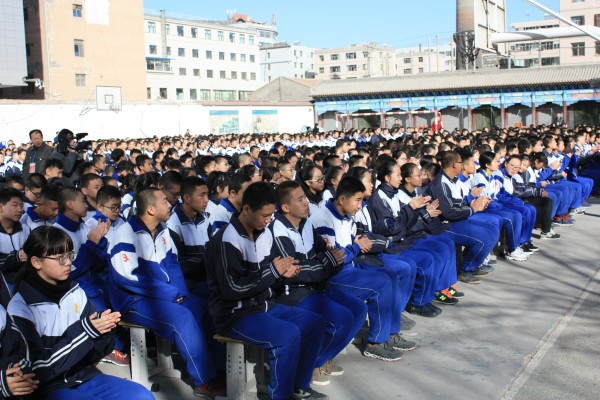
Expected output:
{"points": [[232, 204], [90, 184], [12, 233], [33, 189], [46, 210]]}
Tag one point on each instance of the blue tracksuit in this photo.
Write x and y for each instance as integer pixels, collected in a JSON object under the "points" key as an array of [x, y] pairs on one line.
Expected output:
{"points": [[565, 193], [478, 240], [145, 283], [241, 274]]}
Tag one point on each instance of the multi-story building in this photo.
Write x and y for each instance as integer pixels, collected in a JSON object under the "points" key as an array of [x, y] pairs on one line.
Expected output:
{"points": [[367, 60], [13, 65], [75, 46], [194, 60], [417, 60], [288, 60]]}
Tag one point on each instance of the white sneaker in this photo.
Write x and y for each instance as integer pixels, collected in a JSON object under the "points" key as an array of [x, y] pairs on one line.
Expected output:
{"points": [[549, 235], [516, 255]]}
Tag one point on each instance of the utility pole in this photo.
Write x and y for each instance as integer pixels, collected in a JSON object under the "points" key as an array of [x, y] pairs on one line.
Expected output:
{"points": [[428, 55], [437, 53]]}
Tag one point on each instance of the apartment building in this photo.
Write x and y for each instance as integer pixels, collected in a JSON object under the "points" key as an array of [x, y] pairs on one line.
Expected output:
{"points": [[192, 60], [419, 60], [367, 60], [287, 60], [13, 66]]}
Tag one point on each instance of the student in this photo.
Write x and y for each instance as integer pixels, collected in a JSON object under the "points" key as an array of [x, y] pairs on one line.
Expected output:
{"points": [[313, 184], [333, 176], [190, 231], [53, 169], [563, 195], [66, 337], [89, 185], [218, 189], [232, 204], [33, 190], [46, 210], [90, 245], [294, 235], [170, 184], [147, 286], [334, 222], [241, 271], [12, 233]]}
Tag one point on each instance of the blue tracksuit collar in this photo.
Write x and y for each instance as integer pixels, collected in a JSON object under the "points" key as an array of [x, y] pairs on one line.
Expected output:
{"points": [[98, 216], [33, 215], [228, 206], [68, 224], [237, 225], [462, 178], [17, 227], [139, 226], [450, 179], [286, 222], [388, 190], [486, 176], [331, 207], [183, 217], [410, 194]]}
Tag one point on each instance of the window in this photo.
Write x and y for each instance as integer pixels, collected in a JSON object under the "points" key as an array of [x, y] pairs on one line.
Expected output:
{"points": [[420, 70], [269, 67], [208, 55], [195, 53], [300, 53], [334, 69], [242, 57], [407, 71], [168, 51], [420, 59], [168, 29], [220, 36], [163, 93], [597, 47], [407, 60], [252, 58], [194, 33], [232, 37], [179, 93], [578, 19], [209, 73], [295, 64], [321, 57], [350, 56], [149, 93], [151, 27], [196, 72], [207, 34], [221, 55], [578, 49], [77, 10], [365, 54], [244, 76], [242, 38], [179, 30], [222, 75], [232, 57], [181, 52], [224, 95], [152, 49], [79, 79], [26, 14], [321, 70], [252, 76], [352, 68], [182, 72], [233, 74], [335, 57], [204, 94], [78, 47], [268, 54], [596, 19], [251, 39], [295, 55], [193, 94]]}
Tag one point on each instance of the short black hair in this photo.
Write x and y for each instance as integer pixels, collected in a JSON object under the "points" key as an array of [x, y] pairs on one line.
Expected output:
{"points": [[106, 193], [237, 180], [284, 190], [348, 187], [8, 193], [50, 193], [449, 158], [170, 179], [189, 185], [258, 195], [66, 194], [145, 199], [53, 163], [140, 160], [85, 180]]}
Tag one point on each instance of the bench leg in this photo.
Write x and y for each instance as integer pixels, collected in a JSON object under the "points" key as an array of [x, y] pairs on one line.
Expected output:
{"points": [[236, 372], [165, 361], [139, 357]]}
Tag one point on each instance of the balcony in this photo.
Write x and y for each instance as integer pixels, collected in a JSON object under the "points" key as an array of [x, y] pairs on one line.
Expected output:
{"points": [[156, 64]]}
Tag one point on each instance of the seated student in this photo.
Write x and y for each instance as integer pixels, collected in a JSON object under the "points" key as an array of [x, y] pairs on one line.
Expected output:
{"points": [[241, 271], [89, 186], [53, 169], [478, 239], [333, 176], [570, 162], [190, 232], [147, 286], [65, 335], [537, 197], [232, 204], [560, 206], [294, 236], [12, 233], [286, 171], [46, 209], [335, 223], [170, 184], [90, 245], [561, 194], [33, 190], [313, 184]]}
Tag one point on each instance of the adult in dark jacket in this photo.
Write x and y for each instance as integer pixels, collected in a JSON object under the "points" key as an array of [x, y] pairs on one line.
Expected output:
{"points": [[37, 154]]}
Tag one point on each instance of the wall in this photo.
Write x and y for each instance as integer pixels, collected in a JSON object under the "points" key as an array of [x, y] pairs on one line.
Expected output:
{"points": [[135, 120]]}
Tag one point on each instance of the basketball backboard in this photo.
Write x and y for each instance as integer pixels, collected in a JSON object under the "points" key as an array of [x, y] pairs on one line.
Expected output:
{"points": [[108, 98], [483, 18]]}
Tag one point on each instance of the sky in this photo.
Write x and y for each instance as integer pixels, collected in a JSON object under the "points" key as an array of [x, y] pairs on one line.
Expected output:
{"points": [[338, 23]]}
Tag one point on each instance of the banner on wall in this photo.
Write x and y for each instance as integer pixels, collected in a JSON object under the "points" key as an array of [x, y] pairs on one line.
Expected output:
{"points": [[223, 122], [264, 121]]}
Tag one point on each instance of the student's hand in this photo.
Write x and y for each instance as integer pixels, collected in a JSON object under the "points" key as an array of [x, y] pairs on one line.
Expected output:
{"points": [[419, 201], [22, 256], [564, 174], [107, 321], [432, 208], [479, 204], [477, 190], [338, 254], [99, 231], [543, 184], [20, 384], [544, 193], [286, 266], [364, 243], [555, 165]]}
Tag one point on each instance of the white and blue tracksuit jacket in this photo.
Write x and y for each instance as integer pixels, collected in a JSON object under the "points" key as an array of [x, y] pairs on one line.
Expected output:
{"points": [[33, 220], [10, 244], [221, 215]]}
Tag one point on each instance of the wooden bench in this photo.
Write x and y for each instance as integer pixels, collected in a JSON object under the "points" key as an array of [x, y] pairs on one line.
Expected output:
{"points": [[140, 368], [240, 377]]}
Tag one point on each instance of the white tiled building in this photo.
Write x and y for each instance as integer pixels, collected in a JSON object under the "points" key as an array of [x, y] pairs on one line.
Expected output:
{"points": [[290, 61], [419, 60], [13, 64], [192, 60]]}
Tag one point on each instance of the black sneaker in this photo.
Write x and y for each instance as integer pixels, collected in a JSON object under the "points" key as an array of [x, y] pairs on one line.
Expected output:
{"points": [[529, 246], [455, 293], [406, 323], [444, 297], [382, 351], [480, 273], [468, 277], [427, 310], [307, 394], [397, 342], [486, 268]]}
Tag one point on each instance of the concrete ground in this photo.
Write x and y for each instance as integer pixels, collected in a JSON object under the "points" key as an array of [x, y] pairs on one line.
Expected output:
{"points": [[528, 332]]}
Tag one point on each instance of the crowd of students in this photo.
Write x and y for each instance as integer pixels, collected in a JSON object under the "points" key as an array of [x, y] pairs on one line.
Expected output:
{"points": [[287, 242]]}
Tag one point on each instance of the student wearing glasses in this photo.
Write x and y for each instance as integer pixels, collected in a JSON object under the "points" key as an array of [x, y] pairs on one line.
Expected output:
{"points": [[33, 190], [12, 233], [312, 181]]}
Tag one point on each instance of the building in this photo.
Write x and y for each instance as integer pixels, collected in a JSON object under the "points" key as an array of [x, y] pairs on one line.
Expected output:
{"points": [[356, 61], [194, 60], [286, 60], [13, 65], [533, 54], [417, 60], [75, 46]]}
